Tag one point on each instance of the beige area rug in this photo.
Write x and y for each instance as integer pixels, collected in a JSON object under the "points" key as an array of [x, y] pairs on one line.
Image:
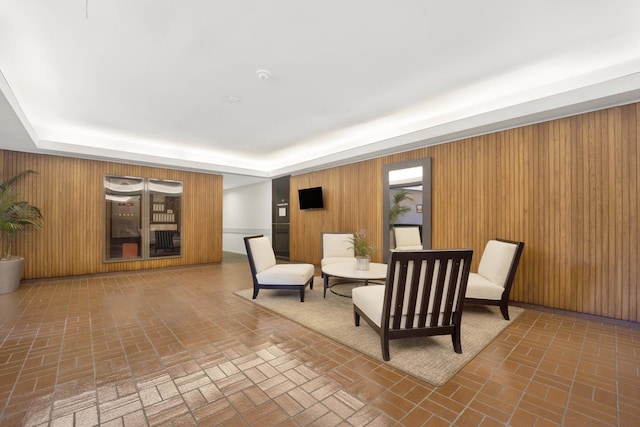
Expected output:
{"points": [[431, 359]]}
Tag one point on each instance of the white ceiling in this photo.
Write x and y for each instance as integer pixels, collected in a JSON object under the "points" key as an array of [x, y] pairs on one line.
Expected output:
{"points": [[153, 81]]}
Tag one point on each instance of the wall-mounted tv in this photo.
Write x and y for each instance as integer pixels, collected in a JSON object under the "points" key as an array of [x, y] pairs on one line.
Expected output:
{"points": [[310, 198]]}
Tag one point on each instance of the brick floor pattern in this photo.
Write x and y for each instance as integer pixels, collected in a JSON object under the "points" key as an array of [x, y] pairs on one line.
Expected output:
{"points": [[175, 347]]}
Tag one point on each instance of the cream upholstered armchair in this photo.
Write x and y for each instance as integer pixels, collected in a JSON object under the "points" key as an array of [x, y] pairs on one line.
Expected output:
{"points": [[491, 285], [407, 238], [423, 296], [269, 275], [337, 247]]}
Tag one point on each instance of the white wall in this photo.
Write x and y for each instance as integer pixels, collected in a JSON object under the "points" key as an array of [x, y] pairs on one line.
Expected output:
{"points": [[245, 211]]}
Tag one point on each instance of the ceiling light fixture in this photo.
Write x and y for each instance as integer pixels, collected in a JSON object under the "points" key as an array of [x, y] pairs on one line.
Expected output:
{"points": [[263, 74]]}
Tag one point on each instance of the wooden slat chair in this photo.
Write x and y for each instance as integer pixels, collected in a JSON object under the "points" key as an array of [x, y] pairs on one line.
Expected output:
{"points": [[491, 285], [423, 296], [269, 275]]}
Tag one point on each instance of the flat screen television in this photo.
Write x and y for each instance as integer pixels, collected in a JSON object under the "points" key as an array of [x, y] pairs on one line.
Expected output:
{"points": [[310, 198]]}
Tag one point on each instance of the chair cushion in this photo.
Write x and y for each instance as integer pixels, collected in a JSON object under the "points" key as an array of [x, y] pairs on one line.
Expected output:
{"points": [[369, 299], [337, 245], [286, 274], [262, 253], [496, 261], [480, 287]]}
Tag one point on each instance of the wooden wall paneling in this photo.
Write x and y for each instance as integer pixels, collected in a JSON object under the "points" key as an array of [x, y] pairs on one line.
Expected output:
{"points": [[303, 222], [580, 214], [550, 172], [69, 193], [471, 183], [568, 188], [510, 180], [578, 252], [523, 223], [203, 233], [486, 189], [635, 235], [438, 232], [352, 196], [625, 210], [446, 193], [366, 206], [527, 287], [634, 219], [634, 259], [543, 207], [591, 203], [564, 226], [629, 208], [599, 175], [508, 197], [612, 232], [608, 226], [532, 247], [595, 210], [555, 216], [595, 206]]}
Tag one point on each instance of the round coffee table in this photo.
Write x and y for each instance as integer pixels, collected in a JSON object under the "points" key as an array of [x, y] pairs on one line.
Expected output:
{"points": [[347, 270]]}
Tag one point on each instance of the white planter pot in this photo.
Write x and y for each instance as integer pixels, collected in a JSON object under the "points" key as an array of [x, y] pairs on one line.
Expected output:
{"points": [[10, 273]]}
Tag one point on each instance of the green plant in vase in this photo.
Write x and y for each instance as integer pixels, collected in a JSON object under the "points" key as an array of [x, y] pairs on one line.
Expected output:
{"points": [[397, 209], [15, 215], [362, 250]]}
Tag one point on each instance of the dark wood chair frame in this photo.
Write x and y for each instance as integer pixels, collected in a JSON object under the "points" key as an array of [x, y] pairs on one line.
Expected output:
{"points": [[257, 286], [393, 326], [503, 302]]}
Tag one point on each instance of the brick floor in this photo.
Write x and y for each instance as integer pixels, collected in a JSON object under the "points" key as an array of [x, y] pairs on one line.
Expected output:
{"points": [[176, 347]]}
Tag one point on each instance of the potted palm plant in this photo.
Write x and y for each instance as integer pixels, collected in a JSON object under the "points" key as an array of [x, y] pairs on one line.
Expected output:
{"points": [[397, 208], [15, 215], [362, 249]]}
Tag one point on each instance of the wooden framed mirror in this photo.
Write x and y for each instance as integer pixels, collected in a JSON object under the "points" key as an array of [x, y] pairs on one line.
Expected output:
{"points": [[406, 199]]}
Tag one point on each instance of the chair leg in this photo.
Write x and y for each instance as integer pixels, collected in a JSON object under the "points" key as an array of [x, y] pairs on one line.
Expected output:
{"points": [[455, 339], [326, 284], [384, 343], [356, 318], [302, 294], [255, 291], [504, 309]]}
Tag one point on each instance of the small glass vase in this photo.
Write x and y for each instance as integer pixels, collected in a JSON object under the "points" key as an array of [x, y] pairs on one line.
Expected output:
{"points": [[362, 263]]}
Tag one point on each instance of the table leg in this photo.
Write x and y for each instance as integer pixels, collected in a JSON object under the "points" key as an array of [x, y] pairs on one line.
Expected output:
{"points": [[326, 284]]}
